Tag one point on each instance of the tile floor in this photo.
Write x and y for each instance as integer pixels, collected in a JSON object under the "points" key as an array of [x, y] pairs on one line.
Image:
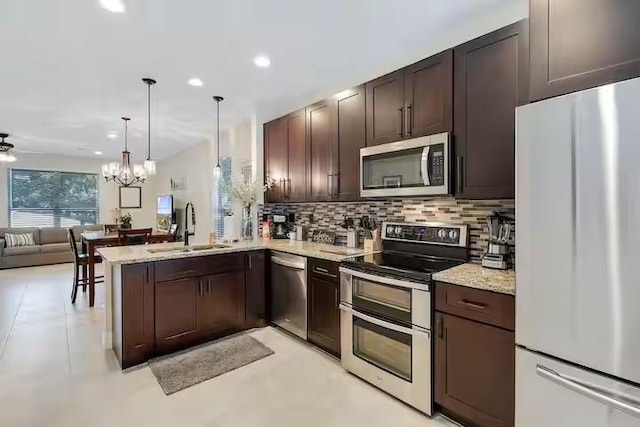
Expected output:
{"points": [[54, 372]]}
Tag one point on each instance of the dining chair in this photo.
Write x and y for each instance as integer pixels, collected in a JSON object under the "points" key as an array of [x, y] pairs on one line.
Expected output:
{"points": [[80, 261], [134, 237], [110, 228]]}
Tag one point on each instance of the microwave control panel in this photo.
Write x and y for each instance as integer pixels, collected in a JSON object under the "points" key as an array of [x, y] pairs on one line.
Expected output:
{"points": [[436, 165]]}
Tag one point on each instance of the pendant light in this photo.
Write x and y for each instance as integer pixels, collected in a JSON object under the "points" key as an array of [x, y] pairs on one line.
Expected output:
{"points": [[124, 173], [6, 154], [217, 172], [149, 164]]}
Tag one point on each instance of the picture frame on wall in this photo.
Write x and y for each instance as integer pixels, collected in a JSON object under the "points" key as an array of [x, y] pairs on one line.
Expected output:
{"points": [[130, 197]]}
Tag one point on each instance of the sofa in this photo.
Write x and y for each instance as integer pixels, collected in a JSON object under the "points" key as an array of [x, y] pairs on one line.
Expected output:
{"points": [[51, 246]]}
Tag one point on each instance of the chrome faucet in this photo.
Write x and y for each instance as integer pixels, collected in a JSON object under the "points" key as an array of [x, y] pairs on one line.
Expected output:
{"points": [[186, 223]]}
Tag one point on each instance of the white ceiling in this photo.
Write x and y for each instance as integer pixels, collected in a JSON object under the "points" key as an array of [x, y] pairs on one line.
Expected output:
{"points": [[70, 69]]}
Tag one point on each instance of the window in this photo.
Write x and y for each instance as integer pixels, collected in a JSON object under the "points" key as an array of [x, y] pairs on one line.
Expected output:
{"points": [[222, 202], [52, 199]]}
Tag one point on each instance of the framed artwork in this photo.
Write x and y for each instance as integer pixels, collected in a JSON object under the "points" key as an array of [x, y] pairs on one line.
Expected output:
{"points": [[178, 184], [392, 181], [130, 197]]}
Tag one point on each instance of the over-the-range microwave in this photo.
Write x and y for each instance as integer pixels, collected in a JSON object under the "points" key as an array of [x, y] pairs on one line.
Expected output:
{"points": [[415, 167]]}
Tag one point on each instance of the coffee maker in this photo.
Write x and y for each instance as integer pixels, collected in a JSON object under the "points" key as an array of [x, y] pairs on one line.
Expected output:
{"points": [[282, 225], [498, 254]]}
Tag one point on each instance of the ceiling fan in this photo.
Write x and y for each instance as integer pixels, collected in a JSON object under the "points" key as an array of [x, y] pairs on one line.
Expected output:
{"points": [[7, 150]]}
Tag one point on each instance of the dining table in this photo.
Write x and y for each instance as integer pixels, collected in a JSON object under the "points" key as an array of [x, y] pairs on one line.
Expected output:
{"points": [[93, 239]]}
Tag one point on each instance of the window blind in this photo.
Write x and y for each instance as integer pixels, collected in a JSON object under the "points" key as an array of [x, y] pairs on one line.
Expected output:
{"points": [[39, 198]]}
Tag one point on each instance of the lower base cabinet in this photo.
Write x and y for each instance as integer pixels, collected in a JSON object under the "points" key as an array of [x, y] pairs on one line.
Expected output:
{"points": [[323, 299], [220, 305], [475, 356], [176, 314]]}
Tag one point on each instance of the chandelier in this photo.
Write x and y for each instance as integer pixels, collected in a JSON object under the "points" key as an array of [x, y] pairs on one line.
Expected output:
{"points": [[124, 173], [6, 154]]}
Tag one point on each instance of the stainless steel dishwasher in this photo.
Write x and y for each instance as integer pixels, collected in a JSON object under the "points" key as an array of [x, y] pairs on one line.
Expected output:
{"points": [[289, 292]]}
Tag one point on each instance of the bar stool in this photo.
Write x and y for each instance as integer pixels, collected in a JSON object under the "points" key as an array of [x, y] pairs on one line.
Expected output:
{"points": [[80, 260]]}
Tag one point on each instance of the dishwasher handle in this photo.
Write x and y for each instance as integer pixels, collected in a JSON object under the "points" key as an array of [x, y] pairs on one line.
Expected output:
{"points": [[288, 263]]}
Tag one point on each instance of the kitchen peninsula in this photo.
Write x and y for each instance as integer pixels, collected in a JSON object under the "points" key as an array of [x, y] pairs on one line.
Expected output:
{"points": [[165, 297]]}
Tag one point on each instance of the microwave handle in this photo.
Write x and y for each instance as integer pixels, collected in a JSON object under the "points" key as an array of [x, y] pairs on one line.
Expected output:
{"points": [[424, 166]]}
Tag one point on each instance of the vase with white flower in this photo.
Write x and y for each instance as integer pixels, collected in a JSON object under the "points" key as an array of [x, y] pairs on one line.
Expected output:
{"points": [[246, 193]]}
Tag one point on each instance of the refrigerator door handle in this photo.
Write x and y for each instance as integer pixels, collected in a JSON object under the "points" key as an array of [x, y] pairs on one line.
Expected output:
{"points": [[590, 391]]}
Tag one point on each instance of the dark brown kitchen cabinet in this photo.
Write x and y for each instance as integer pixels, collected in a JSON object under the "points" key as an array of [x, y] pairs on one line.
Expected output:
{"points": [[580, 44], [285, 158], [276, 166], [428, 93], [133, 326], [176, 313], [320, 150], [475, 371], [411, 102], [336, 131], [323, 301], [490, 81], [221, 303], [475, 355], [385, 109], [350, 135], [256, 290], [296, 184]]}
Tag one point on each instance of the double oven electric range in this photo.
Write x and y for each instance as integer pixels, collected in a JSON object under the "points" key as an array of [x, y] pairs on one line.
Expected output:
{"points": [[385, 303]]}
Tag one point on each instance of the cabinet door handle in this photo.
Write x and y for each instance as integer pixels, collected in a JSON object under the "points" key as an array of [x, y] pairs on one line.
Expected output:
{"points": [[409, 119], [471, 304], [459, 173], [440, 326], [336, 193], [200, 292], [249, 257], [208, 286], [329, 184], [400, 120]]}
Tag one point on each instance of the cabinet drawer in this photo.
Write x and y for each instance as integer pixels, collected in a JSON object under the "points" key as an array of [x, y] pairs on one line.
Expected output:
{"points": [[474, 304], [323, 270], [197, 266]]}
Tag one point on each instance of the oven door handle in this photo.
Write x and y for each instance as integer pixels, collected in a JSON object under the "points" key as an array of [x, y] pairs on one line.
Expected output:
{"points": [[287, 263], [385, 280], [414, 330]]}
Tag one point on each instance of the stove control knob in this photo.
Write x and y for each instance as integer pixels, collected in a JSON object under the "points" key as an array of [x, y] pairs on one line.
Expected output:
{"points": [[442, 233], [453, 234], [389, 230], [399, 231]]}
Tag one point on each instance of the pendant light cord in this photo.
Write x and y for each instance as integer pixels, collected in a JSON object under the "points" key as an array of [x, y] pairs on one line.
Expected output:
{"points": [[125, 134], [148, 122], [218, 124]]}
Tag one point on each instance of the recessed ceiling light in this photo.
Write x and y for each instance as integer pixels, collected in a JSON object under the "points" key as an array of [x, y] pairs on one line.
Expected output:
{"points": [[112, 135], [262, 61], [115, 6], [98, 153], [195, 82]]}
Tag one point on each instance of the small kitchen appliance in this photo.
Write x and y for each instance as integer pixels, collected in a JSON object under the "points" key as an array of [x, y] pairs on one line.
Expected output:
{"points": [[280, 227], [497, 255], [385, 307]]}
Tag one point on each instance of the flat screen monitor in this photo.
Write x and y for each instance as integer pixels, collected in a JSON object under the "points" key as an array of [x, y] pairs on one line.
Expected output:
{"points": [[164, 212]]}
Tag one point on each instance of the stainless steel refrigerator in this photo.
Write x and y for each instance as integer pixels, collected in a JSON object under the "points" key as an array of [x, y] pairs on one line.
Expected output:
{"points": [[578, 259]]}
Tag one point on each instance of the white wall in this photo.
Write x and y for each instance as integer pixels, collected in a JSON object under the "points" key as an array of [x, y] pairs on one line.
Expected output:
{"points": [[107, 191]]}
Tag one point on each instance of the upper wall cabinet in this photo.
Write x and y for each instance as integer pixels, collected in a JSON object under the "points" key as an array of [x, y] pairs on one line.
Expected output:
{"points": [[335, 134], [285, 158], [410, 102], [579, 44], [276, 168], [349, 137], [490, 81]]}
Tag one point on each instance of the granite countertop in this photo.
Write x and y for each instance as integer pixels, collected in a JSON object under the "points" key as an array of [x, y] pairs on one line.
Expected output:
{"points": [[140, 253], [476, 276]]}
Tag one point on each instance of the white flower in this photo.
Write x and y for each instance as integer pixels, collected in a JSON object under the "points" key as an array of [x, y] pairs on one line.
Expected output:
{"points": [[245, 192]]}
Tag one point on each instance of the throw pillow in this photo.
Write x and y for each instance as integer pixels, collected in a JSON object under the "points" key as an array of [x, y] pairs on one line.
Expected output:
{"points": [[19, 240]]}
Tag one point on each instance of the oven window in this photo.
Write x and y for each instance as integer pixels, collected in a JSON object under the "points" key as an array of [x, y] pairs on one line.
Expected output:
{"points": [[389, 301], [400, 169], [382, 347]]}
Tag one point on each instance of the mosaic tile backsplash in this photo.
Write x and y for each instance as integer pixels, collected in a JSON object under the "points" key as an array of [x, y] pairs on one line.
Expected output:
{"points": [[328, 216]]}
